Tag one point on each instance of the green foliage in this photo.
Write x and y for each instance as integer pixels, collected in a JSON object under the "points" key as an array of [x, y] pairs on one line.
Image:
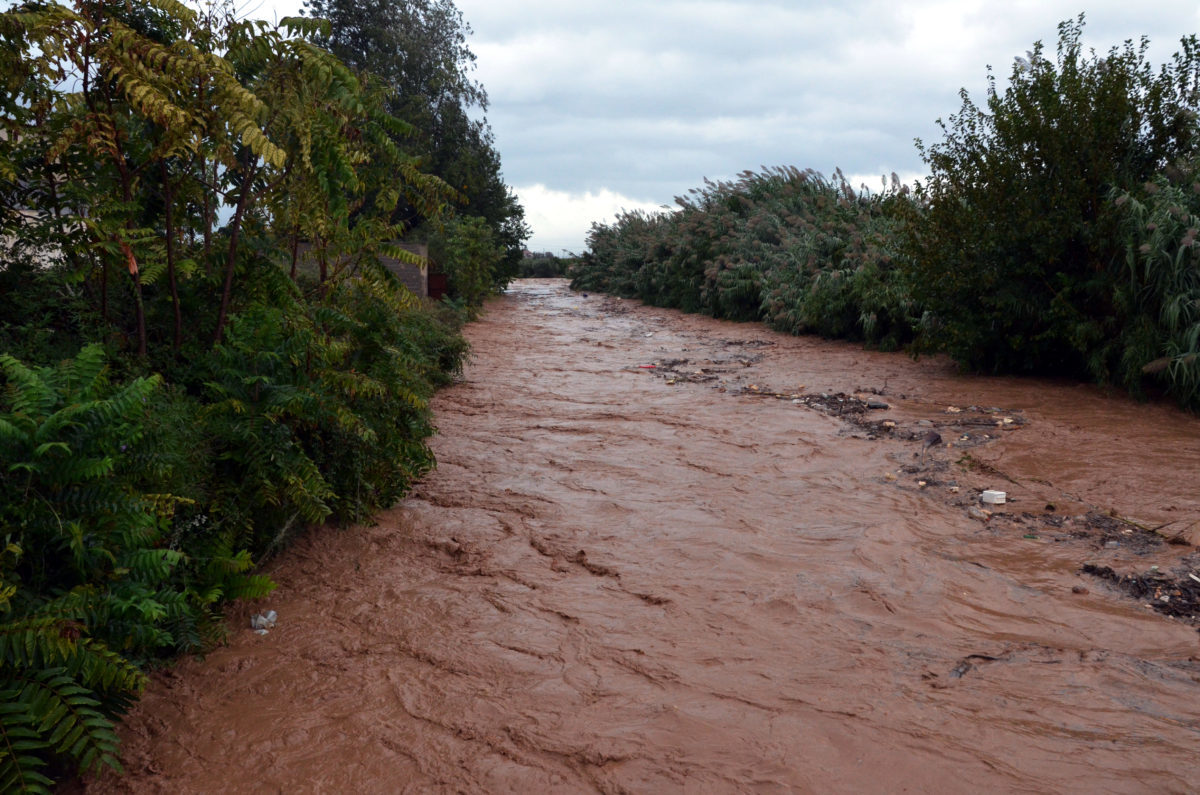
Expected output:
{"points": [[1158, 287], [180, 396], [417, 50], [466, 249], [80, 574], [1055, 234], [785, 246], [1017, 251], [545, 266]]}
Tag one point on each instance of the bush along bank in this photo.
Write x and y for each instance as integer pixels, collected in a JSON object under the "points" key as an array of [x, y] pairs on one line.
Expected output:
{"points": [[133, 506], [787, 247], [1056, 233], [201, 352]]}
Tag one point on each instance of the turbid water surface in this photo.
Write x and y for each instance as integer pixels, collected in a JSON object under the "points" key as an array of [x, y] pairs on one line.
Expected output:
{"points": [[703, 576]]}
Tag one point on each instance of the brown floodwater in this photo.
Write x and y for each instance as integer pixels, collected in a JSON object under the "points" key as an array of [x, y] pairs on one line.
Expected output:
{"points": [[684, 579]]}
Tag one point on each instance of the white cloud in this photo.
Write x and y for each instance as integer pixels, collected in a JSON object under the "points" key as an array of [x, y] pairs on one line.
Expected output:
{"points": [[561, 220]]}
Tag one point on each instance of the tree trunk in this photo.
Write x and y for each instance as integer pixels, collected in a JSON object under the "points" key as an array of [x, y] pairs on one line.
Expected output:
{"points": [[235, 230], [169, 202], [295, 250]]}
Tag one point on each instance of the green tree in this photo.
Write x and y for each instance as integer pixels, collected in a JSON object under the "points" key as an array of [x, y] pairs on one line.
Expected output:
{"points": [[117, 99], [1015, 252], [466, 248], [418, 50]]}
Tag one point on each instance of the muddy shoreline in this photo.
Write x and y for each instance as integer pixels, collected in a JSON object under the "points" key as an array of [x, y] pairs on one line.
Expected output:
{"points": [[663, 553]]}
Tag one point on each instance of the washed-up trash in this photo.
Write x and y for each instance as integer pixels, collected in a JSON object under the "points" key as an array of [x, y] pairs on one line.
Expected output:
{"points": [[931, 439], [876, 403], [261, 631], [647, 366], [993, 497], [979, 514], [264, 621], [953, 410]]}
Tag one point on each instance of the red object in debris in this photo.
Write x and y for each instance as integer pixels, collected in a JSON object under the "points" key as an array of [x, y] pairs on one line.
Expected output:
{"points": [[647, 366]]}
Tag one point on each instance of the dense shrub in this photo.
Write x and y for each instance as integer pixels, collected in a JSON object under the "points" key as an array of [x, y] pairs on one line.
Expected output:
{"points": [[545, 266], [788, 247], [178, 394], [469, 253], [1018, 250], [1056, 233], [1157, 289], [131, 510], [92, 581]]}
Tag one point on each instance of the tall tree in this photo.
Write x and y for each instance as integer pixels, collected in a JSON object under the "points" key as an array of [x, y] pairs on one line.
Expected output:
{"points": [[418, 50], [1017, 253]]}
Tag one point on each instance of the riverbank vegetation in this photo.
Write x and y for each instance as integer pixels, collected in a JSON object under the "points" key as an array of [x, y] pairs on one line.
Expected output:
{"points": [[201, 352], [544, 265], [1055, 234]]}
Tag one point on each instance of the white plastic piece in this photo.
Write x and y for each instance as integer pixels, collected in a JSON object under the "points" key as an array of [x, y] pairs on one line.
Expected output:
{"points": [[267, 621], [993, 497]]}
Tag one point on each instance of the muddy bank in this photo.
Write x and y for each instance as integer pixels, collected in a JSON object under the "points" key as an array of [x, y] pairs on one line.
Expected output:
{"points": [[663, 553]]}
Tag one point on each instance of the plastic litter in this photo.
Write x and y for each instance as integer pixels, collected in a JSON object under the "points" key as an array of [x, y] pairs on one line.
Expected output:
{"points": [[993, 497], [261, 623]]}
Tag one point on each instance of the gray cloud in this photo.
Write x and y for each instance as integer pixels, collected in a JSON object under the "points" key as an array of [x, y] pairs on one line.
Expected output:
{"points": [[639, 101]]}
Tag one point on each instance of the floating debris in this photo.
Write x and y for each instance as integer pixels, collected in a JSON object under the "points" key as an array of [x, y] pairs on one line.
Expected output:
{"points": [[979, 514], [1168, 595], [261, 623], [993, 497]]}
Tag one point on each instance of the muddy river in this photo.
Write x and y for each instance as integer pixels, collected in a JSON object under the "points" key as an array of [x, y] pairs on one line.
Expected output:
{"points": [[663, 553]]}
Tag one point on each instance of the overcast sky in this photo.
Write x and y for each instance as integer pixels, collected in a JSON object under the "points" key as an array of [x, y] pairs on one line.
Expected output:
{"points": [[599, 105]]}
